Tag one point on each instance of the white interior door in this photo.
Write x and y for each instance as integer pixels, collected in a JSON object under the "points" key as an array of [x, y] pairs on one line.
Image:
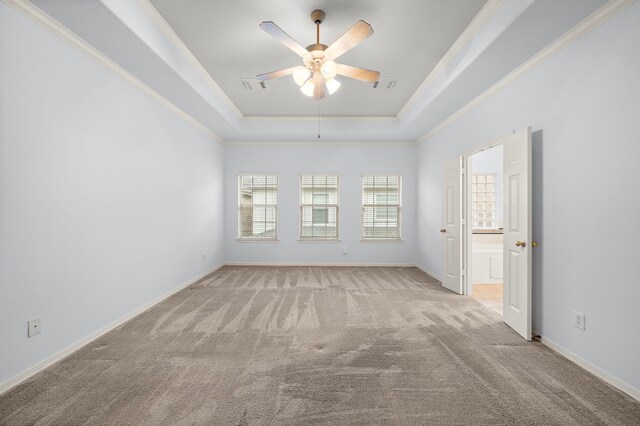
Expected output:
{"points": [[517, 232], [451, 225]]}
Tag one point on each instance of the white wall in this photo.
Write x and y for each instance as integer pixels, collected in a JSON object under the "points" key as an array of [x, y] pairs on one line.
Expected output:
{"points": [[486, 258], [287, 161], [107, 199], [583, 106], [490, 161]]}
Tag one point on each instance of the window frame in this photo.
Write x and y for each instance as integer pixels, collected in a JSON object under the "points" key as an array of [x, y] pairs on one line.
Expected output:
{"points": [[363, 238], [301, 205], [240, 238]]}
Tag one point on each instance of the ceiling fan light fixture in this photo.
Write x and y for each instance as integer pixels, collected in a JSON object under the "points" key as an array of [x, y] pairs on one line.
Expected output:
{"points": [[329, 69], [317, 76], [332, 85], [307, 88], [301, 75]]}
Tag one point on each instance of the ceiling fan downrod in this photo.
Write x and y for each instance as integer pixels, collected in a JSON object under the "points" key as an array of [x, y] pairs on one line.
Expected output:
{"points": [[317, 16]]}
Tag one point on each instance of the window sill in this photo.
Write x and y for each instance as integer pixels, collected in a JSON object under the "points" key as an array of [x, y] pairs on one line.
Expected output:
{"points": [[318, 241], [257, 240], [382, 240]]}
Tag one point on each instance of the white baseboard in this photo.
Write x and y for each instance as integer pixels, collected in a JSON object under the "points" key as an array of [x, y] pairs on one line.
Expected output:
{"points": [[428, 272], [596, 371], [21, 377], [399, 265]]}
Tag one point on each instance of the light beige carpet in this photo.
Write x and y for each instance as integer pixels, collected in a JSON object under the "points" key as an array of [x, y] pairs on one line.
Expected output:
{"points": [[300, 345]]}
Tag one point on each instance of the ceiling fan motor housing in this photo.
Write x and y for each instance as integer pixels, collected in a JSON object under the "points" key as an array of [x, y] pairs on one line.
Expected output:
{"points": [[316, 56], [317, 46]]}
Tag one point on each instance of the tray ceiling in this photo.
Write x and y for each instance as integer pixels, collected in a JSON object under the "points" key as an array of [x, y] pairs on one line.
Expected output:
{"points": [[410, 38], [500, 43]]}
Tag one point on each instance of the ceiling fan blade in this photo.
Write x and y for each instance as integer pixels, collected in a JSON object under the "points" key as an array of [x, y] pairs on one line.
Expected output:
{"points": [[354, 36], [358, 73], [283, 37], [275, 74], [318, 86]]}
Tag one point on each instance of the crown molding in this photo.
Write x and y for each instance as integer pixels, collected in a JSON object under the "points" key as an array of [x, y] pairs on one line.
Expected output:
{"points": [[318, 143], [261, 118], [161, 24], [487, 11], [63, 33], [57, 29], [478, 22], [593, 21], [596, 19]]}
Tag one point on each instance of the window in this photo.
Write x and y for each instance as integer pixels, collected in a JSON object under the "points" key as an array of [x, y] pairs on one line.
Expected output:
{"points": [[257, 207], [483, 201], [319, 207], [381, 202]]}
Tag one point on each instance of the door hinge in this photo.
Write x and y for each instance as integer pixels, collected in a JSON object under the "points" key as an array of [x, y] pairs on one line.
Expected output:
{"points": [[462, 274], [463, 171]]}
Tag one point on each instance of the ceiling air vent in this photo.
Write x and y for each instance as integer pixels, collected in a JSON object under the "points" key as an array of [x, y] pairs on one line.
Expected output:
{"points": [[253, 83], [384, 83]]}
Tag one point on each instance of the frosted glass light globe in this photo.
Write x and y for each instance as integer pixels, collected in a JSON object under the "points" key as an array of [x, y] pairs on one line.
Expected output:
{"points": [[333, 85], [329, 69], [307, 88], [301, 75]]}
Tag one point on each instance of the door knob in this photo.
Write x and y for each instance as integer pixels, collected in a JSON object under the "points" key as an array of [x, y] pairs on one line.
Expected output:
{"points": [[521, 244], [443, 230], [534, 244]]}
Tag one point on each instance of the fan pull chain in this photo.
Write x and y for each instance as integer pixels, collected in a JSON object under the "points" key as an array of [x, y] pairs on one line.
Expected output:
{"points": [[318, 120]]}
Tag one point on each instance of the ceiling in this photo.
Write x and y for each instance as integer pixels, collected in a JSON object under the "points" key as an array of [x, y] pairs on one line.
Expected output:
{"points": [[410, 38], [446, 54]]}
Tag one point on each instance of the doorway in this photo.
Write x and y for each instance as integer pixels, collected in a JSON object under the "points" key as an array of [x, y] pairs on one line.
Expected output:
{"points": [[458, 228], [485, 210]]}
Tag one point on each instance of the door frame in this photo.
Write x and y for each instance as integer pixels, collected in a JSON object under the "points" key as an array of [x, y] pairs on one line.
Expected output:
{"points": [[519, 321], [465, 210]]}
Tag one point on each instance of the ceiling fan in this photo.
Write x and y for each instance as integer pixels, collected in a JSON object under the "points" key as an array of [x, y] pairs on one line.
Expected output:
{"points": [[319, 68]]}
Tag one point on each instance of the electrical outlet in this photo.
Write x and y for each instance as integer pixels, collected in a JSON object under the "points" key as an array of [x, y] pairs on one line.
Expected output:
{"points": [[345, 250], [34, 327], [204, 257], [578, 320]]}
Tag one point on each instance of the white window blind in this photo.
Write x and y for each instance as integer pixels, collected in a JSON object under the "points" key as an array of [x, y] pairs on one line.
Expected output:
{"points": [[257, 206], [381, 204], [319, 207], [483, 201]]}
